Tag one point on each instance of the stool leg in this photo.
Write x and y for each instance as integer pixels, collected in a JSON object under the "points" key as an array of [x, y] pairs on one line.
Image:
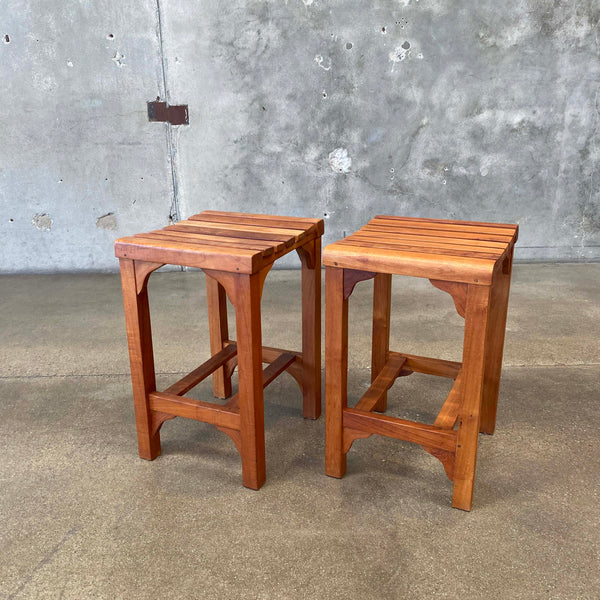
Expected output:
{"points": [[476, 322], [249, 340], [495, 346], [139, 338], [311, 331], [219, 333], [382, 297], [336, 370]]}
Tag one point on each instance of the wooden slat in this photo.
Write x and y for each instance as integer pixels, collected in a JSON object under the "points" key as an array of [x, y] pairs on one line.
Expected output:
{"points": [[431, 266], [196, 243], [427, 236], [449, 413], [447, 221], [283, 222], [443, 225], [277, 367], [180, 406], [255, 230], [383, 382], [431, 366], [240, 236], [410, 431], [237, 260], [424, 230], [424, 245], [254, 234], [225, 241], [418, 249], [202, 372]]}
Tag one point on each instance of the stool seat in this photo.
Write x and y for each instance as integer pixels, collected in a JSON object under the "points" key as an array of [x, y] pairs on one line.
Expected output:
{"points": [[461, 251], [225, 241], [472, 262], [236, 252]]}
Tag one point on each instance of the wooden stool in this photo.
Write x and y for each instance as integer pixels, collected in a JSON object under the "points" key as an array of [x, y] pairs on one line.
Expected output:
{"points": [[470, 261], [235, 251]]}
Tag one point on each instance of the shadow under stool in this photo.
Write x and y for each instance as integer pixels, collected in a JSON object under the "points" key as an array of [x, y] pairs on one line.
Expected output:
{"points": [[236, 252], [470, 261]]}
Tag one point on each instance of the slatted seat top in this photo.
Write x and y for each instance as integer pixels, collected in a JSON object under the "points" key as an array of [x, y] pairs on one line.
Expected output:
{"points": [[224, 241], [462, 251]]}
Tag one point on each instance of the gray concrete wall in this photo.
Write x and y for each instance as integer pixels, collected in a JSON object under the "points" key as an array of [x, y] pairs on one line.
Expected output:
{"points": [[467, 110]]}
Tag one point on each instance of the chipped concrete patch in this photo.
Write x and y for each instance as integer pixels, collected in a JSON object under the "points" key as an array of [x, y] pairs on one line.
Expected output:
{"points": [[118, 59], [339, 161], [107, 221], [323, 62], [42, 221]]}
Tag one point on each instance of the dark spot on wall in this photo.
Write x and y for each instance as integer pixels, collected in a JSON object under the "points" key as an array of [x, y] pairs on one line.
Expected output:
{"points": [[264, 108], [110, 36], [383, 30], [349, 46], [324, 94], [6, 39], [11, 220], [406, 45]]}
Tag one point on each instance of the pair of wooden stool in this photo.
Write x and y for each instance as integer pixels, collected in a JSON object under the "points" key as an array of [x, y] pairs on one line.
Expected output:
{"points": [[470, 261]]}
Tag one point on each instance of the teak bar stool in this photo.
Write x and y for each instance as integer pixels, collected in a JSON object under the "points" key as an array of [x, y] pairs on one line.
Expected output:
{"points": [[235, 251], [470, 261]]}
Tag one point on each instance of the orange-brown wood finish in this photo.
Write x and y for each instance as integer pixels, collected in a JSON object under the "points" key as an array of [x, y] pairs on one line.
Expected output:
{"points": [[310, 257], [470, 261], [236, 252], [219, 333]]}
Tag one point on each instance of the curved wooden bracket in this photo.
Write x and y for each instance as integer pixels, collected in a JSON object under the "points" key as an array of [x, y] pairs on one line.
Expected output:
{"points": [[158, 418], [458, 291], [352, 277], [228, 280], [142, 272], [446, 458], [350, 435], [307, 255], [235, 435]]}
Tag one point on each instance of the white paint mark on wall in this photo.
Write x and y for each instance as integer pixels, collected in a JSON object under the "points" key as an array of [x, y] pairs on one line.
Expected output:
{"points": [[42, 221], [339, 161], [307, 2], [398, 54], [323, 62], [118, 59], [70, 64], [107, 221]]}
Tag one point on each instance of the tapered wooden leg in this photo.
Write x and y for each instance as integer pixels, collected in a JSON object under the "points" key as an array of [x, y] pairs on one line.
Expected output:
{"points": [[382, 297], [336, 370], [311, 331], [476, 323], [139, 339], [494, 346], [249, 347], [219, 333]]}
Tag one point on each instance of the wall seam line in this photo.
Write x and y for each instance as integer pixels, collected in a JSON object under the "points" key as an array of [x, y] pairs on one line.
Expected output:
{"points": [[174, 213]]}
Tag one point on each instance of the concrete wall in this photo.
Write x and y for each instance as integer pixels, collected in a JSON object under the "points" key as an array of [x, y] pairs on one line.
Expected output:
{"points": [[343, 109]]}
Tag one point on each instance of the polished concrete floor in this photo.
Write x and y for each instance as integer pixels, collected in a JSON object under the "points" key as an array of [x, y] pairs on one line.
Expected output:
{"points": [[81, 516]]}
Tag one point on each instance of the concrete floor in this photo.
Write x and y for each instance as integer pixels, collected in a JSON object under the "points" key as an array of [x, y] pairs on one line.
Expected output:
{"points": [[81, 516]]}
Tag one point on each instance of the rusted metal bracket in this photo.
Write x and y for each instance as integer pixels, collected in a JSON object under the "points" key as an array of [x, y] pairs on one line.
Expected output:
{"points": [[162, 112]]}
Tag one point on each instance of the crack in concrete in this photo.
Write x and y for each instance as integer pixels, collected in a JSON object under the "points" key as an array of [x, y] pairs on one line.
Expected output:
{"points": [[43, 562]]}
